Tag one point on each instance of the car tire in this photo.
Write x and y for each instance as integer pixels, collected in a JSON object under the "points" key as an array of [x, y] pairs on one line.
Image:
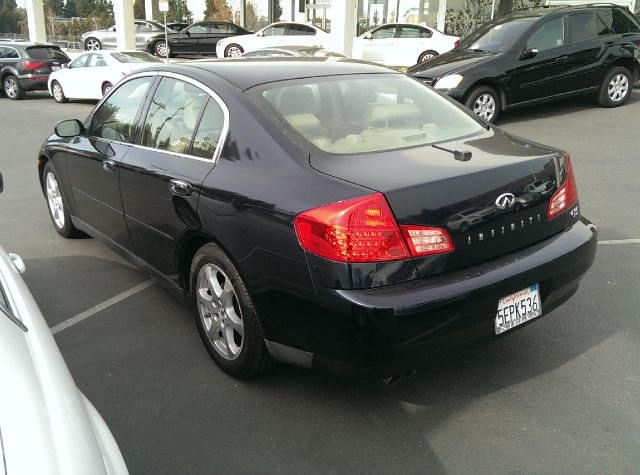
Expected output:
{"points": [[12, 88], [427, 55], [57, 205], [484, 101], [616, 87], [92, 44], [233, 51], [225, 316], [58, 93], [161, 49], [106, 87]]}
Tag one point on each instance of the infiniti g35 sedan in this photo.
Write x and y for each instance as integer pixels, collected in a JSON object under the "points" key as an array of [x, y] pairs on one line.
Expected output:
{"points": [[302, 207]]}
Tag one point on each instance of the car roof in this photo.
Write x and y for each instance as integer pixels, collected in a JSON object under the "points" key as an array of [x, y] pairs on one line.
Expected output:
{"points": [[245, 73]]}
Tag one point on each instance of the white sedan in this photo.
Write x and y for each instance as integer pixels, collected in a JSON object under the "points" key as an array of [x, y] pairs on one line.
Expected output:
{"points": [[46, 423], [402, 44], [91, 75], [276, 34]]}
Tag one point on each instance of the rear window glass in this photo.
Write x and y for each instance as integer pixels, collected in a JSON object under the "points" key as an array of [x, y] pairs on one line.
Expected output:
{"points": [[364, 113], [135, 57], [40, 52]]}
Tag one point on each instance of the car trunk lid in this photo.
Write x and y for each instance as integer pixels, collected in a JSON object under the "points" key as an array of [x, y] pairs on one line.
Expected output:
{"points": [[490, 205], [45, 59]]}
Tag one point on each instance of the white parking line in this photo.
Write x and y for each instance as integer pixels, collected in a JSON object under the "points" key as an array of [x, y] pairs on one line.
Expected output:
{"points": [[621, 241], [101, 306]]}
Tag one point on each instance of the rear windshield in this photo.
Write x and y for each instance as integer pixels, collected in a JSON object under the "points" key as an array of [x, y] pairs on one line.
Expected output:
{"points": [[363, 113], [497, 36], [46, 52], [135, 57]]}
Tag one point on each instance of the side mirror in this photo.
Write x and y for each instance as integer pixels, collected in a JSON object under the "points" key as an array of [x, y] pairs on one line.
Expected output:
{"points": [[69, 128], [367, 35], [186, 32], [259, 34], [528, 53], [64, 65], [1, 183]]}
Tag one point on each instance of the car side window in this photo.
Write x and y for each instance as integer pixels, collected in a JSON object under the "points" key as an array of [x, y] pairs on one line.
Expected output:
{"points": [[209, 131], [142, 27], [623, 22], [173, 116], [115, 118], [414, 32], [80, 61], [222, 28], [199, 28], [383, 33], [300, 30], [276, 30], [95, 60], [8, 53], [548, 36], [582, 26]]}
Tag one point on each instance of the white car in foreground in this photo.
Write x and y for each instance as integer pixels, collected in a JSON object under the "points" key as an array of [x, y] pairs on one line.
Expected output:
{"points": [[402, 44], [91, 75], [276, 34], [47, 426]]}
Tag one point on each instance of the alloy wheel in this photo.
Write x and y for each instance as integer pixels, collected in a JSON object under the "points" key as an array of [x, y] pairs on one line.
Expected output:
{"points": [[618, 87], [234, 52], [57, 92], [11, 87], [161, 49], [485, 106], [219, 311], [92, 44], [54, 198]]}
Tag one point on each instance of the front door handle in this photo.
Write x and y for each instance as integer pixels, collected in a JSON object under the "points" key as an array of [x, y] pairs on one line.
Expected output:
{"points": [[180, 188], [109, 166]]}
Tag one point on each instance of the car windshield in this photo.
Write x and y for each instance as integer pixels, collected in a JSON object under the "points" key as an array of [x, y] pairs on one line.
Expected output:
{"points": [[135, 57], [46, 52], [497, 36], [363, 113]]}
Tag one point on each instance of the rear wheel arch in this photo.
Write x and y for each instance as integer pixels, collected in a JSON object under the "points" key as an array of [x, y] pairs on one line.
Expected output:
{"points": [[626, 63]]}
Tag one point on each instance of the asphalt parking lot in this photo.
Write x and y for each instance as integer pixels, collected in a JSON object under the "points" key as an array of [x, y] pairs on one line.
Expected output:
{"points": [[559, 396]]}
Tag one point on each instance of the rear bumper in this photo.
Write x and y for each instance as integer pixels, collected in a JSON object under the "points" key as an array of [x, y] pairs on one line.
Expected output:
{"points": [[34, 82], [387, 330]]}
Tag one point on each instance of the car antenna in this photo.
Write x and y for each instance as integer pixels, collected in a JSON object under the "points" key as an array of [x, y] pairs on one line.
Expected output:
{"points": [[460, 155]]}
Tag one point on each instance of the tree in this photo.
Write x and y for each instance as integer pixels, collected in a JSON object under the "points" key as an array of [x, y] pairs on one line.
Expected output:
{"points": [[138, 9], [217, 10], [85, 8], [70, 9], [9, 17]]}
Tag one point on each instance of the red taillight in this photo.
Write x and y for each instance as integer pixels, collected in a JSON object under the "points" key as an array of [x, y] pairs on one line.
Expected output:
{"points": [[455, 45], [33, 65], [425, 240], [125, 73], [364, 230], [566, 195]]}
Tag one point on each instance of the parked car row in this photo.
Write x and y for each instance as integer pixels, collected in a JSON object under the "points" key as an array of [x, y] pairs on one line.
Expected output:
{"points": [[522, 58]]}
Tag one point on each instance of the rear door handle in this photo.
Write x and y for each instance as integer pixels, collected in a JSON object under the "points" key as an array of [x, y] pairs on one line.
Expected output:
{"points": [[180, 188], [109, 166], [561, 59]]}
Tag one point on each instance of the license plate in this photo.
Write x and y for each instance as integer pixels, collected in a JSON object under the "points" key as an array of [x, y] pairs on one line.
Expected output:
{"points": [[55, 68], [518, 308]]}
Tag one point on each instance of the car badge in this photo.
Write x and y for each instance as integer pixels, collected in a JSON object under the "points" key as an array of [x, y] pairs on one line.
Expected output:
{"points": [[505, 200]]}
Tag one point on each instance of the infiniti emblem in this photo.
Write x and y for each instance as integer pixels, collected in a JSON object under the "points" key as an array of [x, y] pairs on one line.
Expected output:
{"points": [[505, 200]]}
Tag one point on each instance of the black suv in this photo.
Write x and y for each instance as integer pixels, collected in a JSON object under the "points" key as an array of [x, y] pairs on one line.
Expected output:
{"points": [[541, 54], [26, 67]]}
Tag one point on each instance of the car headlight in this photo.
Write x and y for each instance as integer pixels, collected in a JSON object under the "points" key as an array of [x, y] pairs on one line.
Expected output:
{"points": [[448, 82]]}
